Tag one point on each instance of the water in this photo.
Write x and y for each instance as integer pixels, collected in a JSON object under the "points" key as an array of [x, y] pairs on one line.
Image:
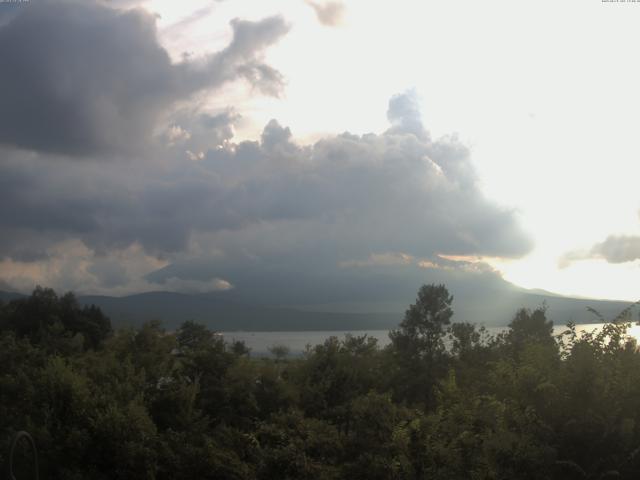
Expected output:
{"points": [[260, 342]]}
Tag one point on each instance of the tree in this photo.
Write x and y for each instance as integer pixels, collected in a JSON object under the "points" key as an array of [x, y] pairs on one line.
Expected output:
{"points": [[421, 333], [418, 344], [54, 321], [531, 327], [279, 351], [194, 336]]}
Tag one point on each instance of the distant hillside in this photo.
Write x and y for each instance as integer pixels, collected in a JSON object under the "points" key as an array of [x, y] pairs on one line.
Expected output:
{"points": [[494, 308], [8, 296], [499, 310], [219, 314]]}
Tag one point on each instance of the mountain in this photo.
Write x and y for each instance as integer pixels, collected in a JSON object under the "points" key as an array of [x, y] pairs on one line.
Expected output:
{"points": [[8, 296], [218, 313], [223, 315]]}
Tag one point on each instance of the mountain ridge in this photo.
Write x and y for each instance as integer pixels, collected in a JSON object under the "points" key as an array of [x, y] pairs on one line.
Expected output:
{"points": [[219, 313]]}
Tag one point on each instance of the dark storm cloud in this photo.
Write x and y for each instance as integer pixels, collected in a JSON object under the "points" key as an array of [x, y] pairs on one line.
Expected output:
{"points": [[197, 132], [105, 209], [270, 208], [80, 78], [109, 273], [8, 11], [277, 284]]}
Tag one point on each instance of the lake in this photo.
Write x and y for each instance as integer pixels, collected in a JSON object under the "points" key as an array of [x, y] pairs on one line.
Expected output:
{"points": [[259, 342]]}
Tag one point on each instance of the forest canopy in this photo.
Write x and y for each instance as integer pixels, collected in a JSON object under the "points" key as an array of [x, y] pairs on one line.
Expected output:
{"points": [[442, 401]]}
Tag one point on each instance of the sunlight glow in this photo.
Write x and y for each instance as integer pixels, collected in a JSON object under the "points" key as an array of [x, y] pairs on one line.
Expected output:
{"points": [[551, 137]]}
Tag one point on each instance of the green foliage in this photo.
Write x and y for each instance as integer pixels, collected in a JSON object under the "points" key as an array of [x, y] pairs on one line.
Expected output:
{"points": [[280, 352], [530, 327], [418, 345], [421, 332], [443, 401], [58, 324]]}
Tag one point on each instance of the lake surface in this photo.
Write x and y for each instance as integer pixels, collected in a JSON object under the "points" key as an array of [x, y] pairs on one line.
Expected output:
{"points": [[260, 342]]}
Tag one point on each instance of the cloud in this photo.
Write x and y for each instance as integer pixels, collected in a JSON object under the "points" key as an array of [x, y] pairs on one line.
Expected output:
{"points": [[70, 265], [183, 25], [268, 212], [379, 259], [176, 134], [437, 262], [88, 79], [618, 249], [174, 284], [615, 249], [329, 13], [404, 114], [194, 132]]}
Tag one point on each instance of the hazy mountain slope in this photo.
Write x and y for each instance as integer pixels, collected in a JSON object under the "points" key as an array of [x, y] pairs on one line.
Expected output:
{"points": [[8, 296], [174, 308], [492, 307], [221, 314]]}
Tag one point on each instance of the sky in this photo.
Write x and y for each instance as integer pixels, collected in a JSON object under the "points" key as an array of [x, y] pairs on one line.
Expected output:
{"points": [[319, 152]]}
